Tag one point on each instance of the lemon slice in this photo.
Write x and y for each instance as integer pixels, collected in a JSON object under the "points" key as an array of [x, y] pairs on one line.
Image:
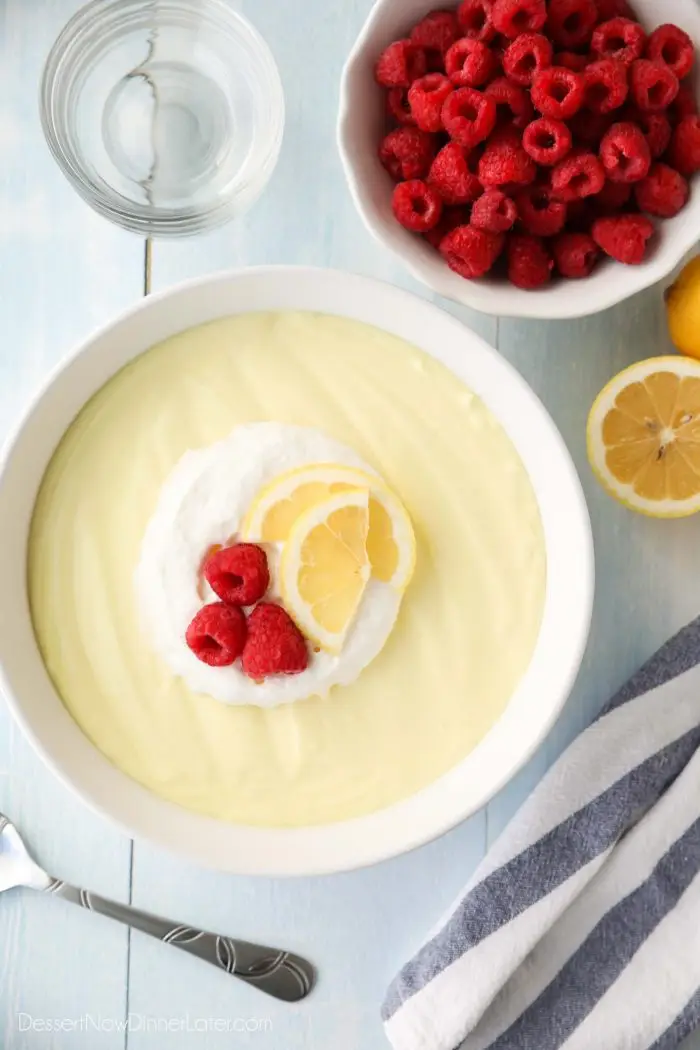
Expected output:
{"points": [[390, 542], [644, 437], [325, 567]]}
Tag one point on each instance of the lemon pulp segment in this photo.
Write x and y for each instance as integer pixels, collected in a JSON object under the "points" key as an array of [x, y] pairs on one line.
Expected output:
{"points": [[325, 566]]}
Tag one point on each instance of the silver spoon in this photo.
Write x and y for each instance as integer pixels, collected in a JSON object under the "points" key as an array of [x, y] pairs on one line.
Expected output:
{"points": [[280, 974]]}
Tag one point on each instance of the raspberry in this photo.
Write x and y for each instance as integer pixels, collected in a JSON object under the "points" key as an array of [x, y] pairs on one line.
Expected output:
{"points": [[505, 162], [547, 141], [470, 252], [529, 263], [623, 237], [494, 212], [474, 17], [685, 104], [558, 93], [416, 205], [451, 218], [274, 645], [588, 128], [613, 197], [605, 85], [217, 634], [656, 128], [653, 85], [513, 103], [527, 55], [540, 212], [671, 45], [570, 60], [608, 9], [451, 178], [407, 153], [579, 175], [238, 575], [400, 65], [625, 153], [570, 23], [575, 254], [469, 63], [426, 97], [664, 192], [621, 39], [398, 107], [513, 17], [436, 32], [684, 153], [469, 116]]}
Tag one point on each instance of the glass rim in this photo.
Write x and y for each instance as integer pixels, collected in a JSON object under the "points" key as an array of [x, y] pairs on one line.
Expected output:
{"points": [[65, 60]]}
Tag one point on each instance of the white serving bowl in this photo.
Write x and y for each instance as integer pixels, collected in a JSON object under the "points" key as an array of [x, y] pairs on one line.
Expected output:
{"points": [[536, 702], [362, 124]]}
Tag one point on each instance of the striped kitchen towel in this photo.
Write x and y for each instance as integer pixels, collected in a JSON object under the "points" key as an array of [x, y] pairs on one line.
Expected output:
{"points": [[581, 929]]}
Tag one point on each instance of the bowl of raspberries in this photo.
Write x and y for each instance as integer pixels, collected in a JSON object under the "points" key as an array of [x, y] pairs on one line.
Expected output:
{"points": [[530, 158]]}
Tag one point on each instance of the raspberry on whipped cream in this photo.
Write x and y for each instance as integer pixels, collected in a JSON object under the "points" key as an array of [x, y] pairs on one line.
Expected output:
{"points": [[238, 574], [217, 634], [274, 644]]}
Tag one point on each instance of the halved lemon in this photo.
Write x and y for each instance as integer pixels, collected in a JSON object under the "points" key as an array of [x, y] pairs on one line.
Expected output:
{"points": [[644, 437], [683, 309], [390, 542], [325, 567]]}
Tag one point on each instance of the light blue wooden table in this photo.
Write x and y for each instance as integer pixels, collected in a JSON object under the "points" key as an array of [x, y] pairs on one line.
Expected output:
{"points": [[64, 271]]}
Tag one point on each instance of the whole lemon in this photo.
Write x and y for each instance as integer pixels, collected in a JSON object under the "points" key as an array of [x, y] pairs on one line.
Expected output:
{"points": [[683, 309]]}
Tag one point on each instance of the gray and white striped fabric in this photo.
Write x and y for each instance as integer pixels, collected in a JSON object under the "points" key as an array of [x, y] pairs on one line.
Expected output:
{"points": [[581, 929]]}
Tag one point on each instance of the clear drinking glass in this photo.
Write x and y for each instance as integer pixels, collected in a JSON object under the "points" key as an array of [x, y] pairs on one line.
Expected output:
{"points": [[165, 115]]}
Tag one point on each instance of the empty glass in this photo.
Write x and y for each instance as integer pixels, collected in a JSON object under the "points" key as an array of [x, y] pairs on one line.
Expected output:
{"points": [[166, 115]]}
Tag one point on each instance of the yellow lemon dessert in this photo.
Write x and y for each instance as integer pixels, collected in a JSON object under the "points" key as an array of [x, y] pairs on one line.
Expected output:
{"points": [[403, 540]]}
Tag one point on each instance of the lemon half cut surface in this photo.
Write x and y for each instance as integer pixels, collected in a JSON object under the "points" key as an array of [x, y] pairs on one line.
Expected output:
{"points": [[391, 544], [325, 567], [644, 437]]}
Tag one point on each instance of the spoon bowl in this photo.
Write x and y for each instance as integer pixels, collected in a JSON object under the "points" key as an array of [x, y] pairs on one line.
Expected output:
{"points": [[16, 866]]}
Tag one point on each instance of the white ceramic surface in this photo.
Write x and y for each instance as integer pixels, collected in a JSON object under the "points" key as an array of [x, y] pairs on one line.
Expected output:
{"points": [[362, 123], [534, 706]]}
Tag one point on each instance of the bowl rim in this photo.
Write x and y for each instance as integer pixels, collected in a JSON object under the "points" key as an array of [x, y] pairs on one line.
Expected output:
{"points": [[428, 270], [434, 810]]}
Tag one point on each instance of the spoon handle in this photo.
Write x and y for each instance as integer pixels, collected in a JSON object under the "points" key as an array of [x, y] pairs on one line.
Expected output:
{"points": [[280, 974]]}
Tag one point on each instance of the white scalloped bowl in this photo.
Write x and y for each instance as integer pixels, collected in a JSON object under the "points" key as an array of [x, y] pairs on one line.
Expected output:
{"points": [[536, 701], [361, 125]]}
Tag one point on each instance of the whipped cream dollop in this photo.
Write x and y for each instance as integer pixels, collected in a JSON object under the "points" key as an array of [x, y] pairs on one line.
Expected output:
{"points": [[203, 502]]}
